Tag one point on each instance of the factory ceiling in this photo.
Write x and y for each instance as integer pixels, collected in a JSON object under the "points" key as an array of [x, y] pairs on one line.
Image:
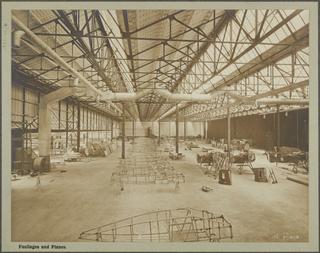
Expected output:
{"points": [[247, 52]]}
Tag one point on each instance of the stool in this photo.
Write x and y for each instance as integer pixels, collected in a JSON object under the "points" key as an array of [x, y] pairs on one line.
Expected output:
{"points": [[225, 177], [260, 174]]}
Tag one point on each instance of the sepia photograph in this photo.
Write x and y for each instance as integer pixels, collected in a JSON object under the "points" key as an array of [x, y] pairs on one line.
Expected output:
{"points": [[193, 125]]}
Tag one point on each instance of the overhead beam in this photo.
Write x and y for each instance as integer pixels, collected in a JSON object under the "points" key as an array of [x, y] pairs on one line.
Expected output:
{"points": [[58, 60], [298, 40], [250, 100], [223, 22], [58, 95]]}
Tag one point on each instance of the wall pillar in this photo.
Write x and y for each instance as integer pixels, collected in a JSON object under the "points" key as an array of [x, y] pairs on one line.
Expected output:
{"points": [[44, 129], [45, 120]]}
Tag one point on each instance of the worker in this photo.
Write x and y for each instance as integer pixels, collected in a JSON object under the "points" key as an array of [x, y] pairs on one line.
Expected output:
{"points": [[246, 147], [121, 185]]}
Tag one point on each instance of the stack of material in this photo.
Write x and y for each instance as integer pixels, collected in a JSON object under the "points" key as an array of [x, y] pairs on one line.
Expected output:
{"points": [[23, 159], [301, 167], [191, 145], [244, 157], [204, 158], [212, 163], [176, 156], [239, 144], [96, 149], [218, 143], [207, 148], [41, 164], [168, 148], [220, 161], [71, 156], [286, 154]]}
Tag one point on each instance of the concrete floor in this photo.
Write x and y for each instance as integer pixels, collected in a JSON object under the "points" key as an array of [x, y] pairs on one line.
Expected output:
{"points": [[66, 204]]}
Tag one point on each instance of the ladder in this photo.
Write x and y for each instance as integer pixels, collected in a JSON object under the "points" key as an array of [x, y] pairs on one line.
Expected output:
{"points": [[272, 176]]}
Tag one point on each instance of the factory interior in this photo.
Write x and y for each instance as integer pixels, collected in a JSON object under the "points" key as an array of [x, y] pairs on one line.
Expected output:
{"points": [[160, 125]]}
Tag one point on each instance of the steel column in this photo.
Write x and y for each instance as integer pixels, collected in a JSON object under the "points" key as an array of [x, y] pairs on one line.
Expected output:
{"points": [[111, 129], [133, 131], [159, 132], [123, 153], [185, 129], [59, 115], [177, 129], [87, 119], [24, 110], [78, 128], [204, 130], [229, 131], [67, 123], [297, 128], [278, 127]]}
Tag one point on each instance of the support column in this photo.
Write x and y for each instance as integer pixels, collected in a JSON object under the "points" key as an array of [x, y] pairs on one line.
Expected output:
{"points": [[72, 125], [87, 119], [229, 131], [177, 129], [159, 132], [111, 129], [123, 153], [297, 128], [59, 116], [67, 123], [24, 126], [133, 131], [278, 127], [184, 130], [78, 128], [44, 129], [205, 129], [45, 120]]}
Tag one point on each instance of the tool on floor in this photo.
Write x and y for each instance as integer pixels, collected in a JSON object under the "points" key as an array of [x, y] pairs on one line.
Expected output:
{"points": [[38, 183], [206, 189]]}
